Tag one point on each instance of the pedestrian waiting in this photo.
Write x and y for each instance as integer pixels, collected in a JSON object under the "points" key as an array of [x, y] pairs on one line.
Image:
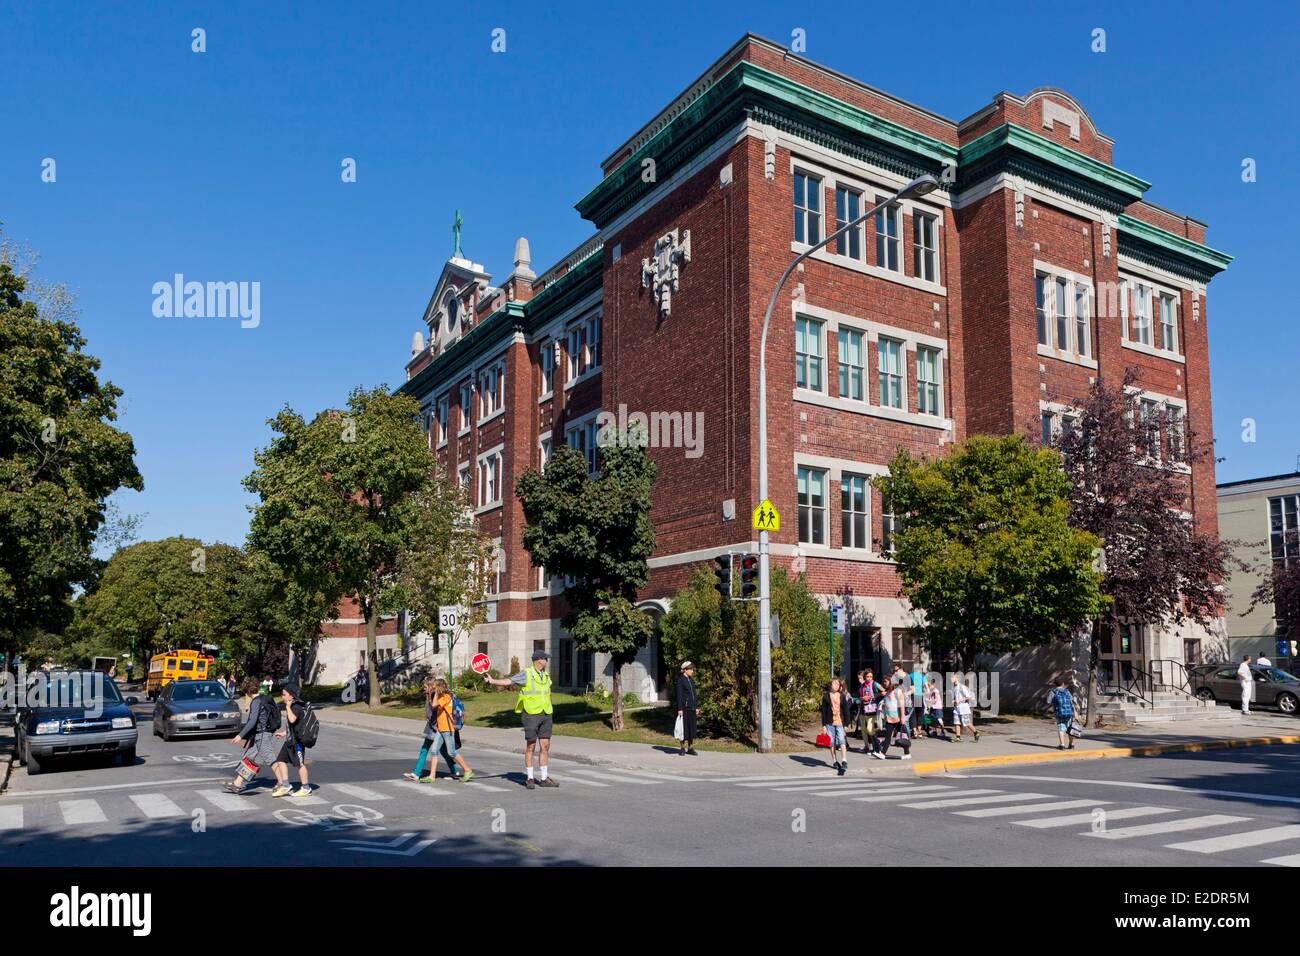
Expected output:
{"points": [[836, 707]]}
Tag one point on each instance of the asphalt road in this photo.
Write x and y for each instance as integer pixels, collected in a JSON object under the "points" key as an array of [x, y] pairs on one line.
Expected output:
{"points": [[1223, 808]]}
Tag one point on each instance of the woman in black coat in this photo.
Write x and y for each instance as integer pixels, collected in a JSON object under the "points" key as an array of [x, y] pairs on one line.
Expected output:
{"points": [[688, 708]]}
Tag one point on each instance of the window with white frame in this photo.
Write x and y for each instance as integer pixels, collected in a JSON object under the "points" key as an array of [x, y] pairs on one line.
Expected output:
{"points": [[1168, 323], [1177, 434], [848, 206], [808, 353], [546, 362], [491, 389], [583, 346], [1283, 527], [852, 365], [893, 391], [1149, 415], [889, 237], [466, 402], [593, 341], [1082, 319], [1063, 310], [925, 246], [1142, 313], [1042, 299], [463, 477], [855, 519], [443, 405], [583, 439], [1061, 300], [544, 447], [489, 480], [888, 525], [807, 208], [928, 381], [812, 505]]}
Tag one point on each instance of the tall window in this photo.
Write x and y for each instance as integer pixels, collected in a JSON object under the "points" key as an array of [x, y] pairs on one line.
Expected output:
{"points": [[889, 237], [491, 389], [808, 353], [576, 347], [1149, 411], [1283, 527], [546, 360], [443, 404], [812, 505], [489, 480], [463, 478], [807, 208], [593, 341], [848, 206], [544, 447], [1062, 315], [1123, 309], [1041, 286], [925, 247], [1177, 437], [855, 524], [852, 366], [1142, 314], [466, 400], [1168, 323], [927, 380], [583, 438], [1049, 431], [888, 525], [1082, 318], [891, 373]]}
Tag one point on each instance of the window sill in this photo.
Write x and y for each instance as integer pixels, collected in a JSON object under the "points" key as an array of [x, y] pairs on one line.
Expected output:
{"points": [[863, 555], [545, 397], [487, 418], [463, 432], [1046, 351], [442, 444], [1152, 350], [875, 411], [491, 506], [590, 373], [877, 272]]}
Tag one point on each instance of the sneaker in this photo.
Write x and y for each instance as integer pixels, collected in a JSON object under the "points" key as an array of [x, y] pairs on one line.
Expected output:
{"points": [[548, 782], [410, 776], [1060, 747], [231, 788], [281, 790], [429, 779], [301, 792], [843, 768], [905, 757], [466, 777], [977, 736], [531, 784], [691, 752], [878, 755]]}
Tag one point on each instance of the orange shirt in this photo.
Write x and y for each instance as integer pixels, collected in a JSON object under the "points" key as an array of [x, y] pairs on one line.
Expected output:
{"points": [[836, 719], [442, 707]]}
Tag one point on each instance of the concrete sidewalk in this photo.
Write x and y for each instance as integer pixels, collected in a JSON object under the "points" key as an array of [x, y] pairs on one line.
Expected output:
{"points": [[1005, 741]]}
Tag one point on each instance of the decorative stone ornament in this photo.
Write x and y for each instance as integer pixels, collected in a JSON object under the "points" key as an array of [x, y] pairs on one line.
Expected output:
{"points": [[661, 273], [1020, 203]]}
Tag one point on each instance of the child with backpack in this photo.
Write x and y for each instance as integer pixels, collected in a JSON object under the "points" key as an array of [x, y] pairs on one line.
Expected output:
{"points": [[257, 736], [301, 733], [1062, 702], [444, 715]]}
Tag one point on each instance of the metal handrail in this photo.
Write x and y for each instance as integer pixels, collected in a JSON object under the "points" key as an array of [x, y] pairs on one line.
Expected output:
{"points": [[1176, 678], [1138, 685]]}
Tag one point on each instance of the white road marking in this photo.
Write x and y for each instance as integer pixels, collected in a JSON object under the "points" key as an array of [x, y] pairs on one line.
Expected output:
{"points": [[1168, 826], [156, 805], [229, 802], [485, 786], [1293, 860], [1173, 788], [672, 778], [1029, 808], [897, 795], [428, 789], [963, 801], [1085, 818], [1248, 838], [844, 782], [11, 818], [901, 792], [587, 783], [112, 786], [311, 801], [81, 811], [609, 776], [361, 793]]}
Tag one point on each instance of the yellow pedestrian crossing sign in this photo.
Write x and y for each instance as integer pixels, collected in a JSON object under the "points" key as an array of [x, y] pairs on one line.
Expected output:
{"points": [[766, 517]]}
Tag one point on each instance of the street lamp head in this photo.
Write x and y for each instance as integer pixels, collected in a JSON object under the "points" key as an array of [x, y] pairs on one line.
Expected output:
{"points": [[919, 186]]}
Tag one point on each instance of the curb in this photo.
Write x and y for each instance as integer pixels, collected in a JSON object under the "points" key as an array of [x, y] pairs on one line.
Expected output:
{"points": [[1151, 750]]}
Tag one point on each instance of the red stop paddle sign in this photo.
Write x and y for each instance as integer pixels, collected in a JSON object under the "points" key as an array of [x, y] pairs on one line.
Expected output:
{"points": [[480, 664]]}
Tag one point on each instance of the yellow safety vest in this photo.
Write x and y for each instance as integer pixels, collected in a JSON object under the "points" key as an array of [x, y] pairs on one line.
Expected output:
{"points": [[535, 696]]}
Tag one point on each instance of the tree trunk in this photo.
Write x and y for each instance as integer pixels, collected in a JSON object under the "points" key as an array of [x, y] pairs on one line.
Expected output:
{"points": [[372, 673], [616, 717], [1090, 719]]}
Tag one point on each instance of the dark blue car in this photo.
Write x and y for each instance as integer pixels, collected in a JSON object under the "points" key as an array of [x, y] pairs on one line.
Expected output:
{"points": [[72, 714]]}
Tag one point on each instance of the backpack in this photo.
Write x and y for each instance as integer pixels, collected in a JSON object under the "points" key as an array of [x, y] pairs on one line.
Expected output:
{"points": [[457, 713], [272, 712], [307, 727], [1063, 702]]}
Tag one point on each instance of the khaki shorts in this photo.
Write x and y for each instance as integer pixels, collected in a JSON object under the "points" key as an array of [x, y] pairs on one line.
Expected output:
{"points": [[537, 726]]}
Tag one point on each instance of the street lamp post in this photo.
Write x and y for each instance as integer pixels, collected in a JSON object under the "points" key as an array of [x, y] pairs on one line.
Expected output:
{"points": [[917, 187]]}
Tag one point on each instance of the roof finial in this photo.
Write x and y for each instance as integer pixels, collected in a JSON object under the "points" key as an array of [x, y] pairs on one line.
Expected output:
{"points": [[455, 234]]}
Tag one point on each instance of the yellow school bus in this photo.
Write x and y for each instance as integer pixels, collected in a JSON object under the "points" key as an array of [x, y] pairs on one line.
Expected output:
{"points": [[175, 665]]}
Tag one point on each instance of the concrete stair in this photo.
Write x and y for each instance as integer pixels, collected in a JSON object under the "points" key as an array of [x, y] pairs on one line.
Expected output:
{"points": [[1164, 707]]}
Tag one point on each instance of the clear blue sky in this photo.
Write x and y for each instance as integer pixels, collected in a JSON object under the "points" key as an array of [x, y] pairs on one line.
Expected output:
{"points": [[225, 166]]}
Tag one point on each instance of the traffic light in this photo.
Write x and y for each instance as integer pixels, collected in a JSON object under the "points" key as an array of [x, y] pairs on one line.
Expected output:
{"points": [[748, 575], [723, 573]]}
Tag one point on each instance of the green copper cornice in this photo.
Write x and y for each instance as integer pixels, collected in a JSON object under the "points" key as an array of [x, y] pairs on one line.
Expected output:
{"points": [[1170, 251], [472, 347]]}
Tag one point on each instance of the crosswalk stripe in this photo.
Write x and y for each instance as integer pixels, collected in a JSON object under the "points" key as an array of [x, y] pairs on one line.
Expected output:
{"points": [[1168, 826], [585, 783], [1249, 838], [156, 805], [227, 802], [964, 800], [609, 776], [311, 801], [897, 795], [485, 786], [428, 789], [901, 792], [1075, 818], [653, 775], [760, 781], [1029, 808], [1293, 860], [81, 811], [361, 793], [11, 818], [844, 782]]}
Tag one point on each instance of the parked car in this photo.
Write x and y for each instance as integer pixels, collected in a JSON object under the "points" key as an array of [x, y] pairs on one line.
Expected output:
{"points": [[1274, 687], [194, 708], [71, 714]]}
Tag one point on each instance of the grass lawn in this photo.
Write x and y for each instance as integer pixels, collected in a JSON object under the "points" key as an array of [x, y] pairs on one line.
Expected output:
{"points": [[576, 716]]}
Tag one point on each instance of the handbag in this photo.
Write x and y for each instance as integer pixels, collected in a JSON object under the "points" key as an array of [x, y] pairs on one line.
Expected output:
{"points": [[1075, 729], [824, 739], [679, 732]]}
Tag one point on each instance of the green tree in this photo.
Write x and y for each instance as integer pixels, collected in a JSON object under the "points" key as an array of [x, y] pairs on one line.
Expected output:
{"points": [[986, 548], [596, 530], [721, 639], [60, 459], [340, 501]]}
